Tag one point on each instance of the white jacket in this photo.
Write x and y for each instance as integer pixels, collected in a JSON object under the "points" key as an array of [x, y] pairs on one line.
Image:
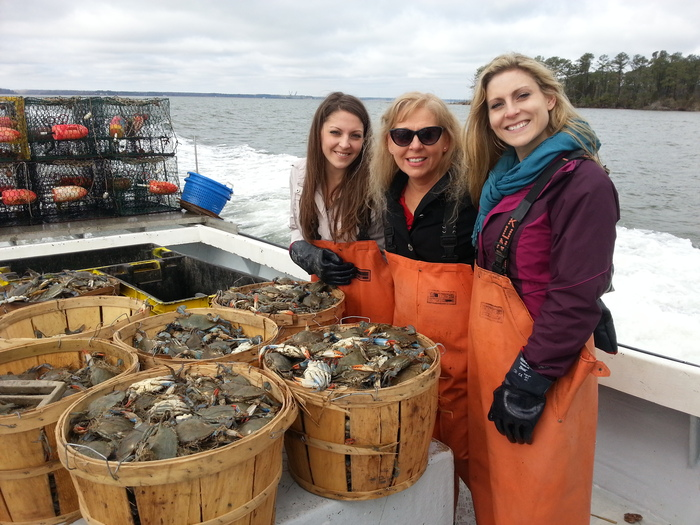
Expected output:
{"points": [[296, 184]]}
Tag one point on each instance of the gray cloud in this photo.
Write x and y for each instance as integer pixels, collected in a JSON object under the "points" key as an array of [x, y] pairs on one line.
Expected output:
{"points": [[379, 48]]}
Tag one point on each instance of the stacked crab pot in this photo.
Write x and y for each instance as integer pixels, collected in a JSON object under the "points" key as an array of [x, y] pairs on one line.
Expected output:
{"points": [[368, 398], [200, 444]]}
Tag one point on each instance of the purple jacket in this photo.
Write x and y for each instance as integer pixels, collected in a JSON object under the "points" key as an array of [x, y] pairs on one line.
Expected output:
{"points": [[560, 259]]}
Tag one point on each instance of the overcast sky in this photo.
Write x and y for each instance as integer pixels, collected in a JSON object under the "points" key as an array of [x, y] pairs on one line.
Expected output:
{"points": [[372, 48]]}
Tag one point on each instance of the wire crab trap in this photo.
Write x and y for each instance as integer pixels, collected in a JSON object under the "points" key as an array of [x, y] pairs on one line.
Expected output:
{"points": [[13, 130], [60, 128], [72, 190], [18, 202], [143, 185], [127, 127]]}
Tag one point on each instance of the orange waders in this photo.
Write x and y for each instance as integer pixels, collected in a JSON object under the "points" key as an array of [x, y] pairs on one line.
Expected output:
{"points": [[371, 293], [550, 481], [435, 299]]}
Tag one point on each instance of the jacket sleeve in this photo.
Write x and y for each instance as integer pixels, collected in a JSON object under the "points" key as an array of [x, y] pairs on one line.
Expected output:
{"points": [[583, 225], [296, 184]]}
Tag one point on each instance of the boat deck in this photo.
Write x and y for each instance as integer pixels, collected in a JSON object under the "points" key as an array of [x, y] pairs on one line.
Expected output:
{"points": [[605, 508]]}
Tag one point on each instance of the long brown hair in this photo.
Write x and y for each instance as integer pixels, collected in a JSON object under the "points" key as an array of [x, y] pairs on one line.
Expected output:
{"points": [[349, 204], [482, 146], [383, 166]]}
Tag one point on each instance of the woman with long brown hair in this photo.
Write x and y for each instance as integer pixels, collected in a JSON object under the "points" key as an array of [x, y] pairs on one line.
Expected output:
{"points": [[334, 234]]}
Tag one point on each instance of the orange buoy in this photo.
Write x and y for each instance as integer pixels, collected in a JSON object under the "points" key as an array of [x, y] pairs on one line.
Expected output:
{"points": [[17, 197], [7, 122], [9, 134], [160, 187], [68, 193], [69, 131]]}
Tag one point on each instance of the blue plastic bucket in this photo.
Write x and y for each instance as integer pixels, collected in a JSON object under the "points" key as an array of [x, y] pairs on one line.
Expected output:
{"points": [[205, 192]]}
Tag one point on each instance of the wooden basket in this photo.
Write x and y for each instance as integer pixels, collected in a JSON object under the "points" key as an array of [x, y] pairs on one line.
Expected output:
{"points": [[390, 432], [110, 290], [291, 323], [234, 484], [35, 488], [251, 323], [100, 315]]}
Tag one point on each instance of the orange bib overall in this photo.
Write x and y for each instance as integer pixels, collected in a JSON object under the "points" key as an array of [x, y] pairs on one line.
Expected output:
{"points": [[371, 293], [550, 481], [435, 299]]}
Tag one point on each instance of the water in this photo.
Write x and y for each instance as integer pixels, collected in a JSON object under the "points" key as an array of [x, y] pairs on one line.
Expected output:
{"points": [[653, 158]]}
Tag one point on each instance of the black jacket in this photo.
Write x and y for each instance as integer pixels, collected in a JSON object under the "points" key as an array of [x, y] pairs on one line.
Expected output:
{"points": [[423, 242]]}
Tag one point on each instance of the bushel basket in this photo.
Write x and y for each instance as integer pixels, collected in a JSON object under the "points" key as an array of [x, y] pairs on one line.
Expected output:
{"points": [[233, 484], [35, 488], [363, 444]]}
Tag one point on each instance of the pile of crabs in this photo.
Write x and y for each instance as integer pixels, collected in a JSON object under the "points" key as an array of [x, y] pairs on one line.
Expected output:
{"points": [[173, 415], [362, 356], [96, 370], [36, 287], [195, 336], [280, 296]]}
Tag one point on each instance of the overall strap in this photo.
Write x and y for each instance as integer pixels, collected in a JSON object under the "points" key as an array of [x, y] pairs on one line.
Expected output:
{"points": [[389, 241], [502, 246], [448, 235]]}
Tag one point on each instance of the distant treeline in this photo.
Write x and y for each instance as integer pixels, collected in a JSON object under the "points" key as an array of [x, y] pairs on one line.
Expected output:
{"points": [[663, 81], [103, 93]]}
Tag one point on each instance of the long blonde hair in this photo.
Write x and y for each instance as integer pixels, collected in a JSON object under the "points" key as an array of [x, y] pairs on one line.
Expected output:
{"points": [[482, 146], [383, 167]]}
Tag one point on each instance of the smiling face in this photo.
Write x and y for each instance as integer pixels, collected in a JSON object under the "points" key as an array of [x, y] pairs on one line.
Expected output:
{"points": [[420, 162], [342, 136], [518, 110]]}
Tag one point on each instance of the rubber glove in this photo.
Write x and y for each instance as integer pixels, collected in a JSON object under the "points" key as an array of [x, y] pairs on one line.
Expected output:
{"points": [[327, 265], [519, 402]]}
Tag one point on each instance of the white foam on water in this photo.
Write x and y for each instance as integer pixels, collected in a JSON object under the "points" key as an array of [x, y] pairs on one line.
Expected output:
{"points": [[656, 302]]}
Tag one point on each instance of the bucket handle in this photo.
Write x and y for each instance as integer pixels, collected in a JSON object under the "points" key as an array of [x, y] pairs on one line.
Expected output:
{"points": [[360, 317], [76, 445]]}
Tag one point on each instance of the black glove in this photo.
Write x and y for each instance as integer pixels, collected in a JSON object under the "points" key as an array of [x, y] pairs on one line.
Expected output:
{"points": [[327, 265], [519, 402]]}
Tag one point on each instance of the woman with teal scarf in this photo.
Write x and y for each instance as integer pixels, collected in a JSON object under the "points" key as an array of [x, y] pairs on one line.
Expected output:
{"points": [[532, 385]]}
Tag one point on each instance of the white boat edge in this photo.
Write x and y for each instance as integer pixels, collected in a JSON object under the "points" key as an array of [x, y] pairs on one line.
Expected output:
{"points": [[648, 447]]}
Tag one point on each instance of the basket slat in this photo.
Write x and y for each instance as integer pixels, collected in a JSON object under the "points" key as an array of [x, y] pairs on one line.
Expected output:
{"points": [[370, 426], [414, 459], [217, 489], [86, 316], [328, 467], [50, 323], [20, 329], [15, 494], [168, 503], [106, 503]]}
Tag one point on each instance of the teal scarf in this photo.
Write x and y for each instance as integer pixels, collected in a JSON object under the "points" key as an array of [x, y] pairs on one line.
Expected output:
{"points": [[509, 175]]}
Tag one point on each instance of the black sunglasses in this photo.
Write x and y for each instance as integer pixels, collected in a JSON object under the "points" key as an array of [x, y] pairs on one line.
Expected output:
{"points": [[403, 136]]}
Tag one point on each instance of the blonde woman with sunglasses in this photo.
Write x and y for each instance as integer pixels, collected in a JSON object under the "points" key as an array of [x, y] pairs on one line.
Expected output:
{"points": [[418, 180]]}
